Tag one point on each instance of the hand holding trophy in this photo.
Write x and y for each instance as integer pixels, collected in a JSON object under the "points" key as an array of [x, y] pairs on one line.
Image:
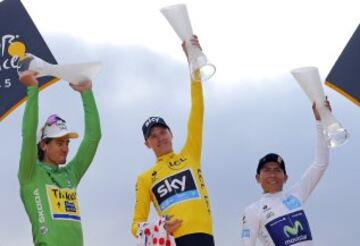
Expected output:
{"points": [[309, 80], [178, 18], [73, 73]]}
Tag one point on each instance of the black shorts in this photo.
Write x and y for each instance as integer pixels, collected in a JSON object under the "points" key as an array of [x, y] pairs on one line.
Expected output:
{"points": [[196, 239]]}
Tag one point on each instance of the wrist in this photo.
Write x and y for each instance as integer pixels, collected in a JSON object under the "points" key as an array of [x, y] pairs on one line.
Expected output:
{"points": [[85, 92], [32, 88]]}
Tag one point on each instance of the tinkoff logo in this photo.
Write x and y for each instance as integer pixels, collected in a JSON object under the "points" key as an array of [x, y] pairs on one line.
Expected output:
{"points": [[292, 231]]}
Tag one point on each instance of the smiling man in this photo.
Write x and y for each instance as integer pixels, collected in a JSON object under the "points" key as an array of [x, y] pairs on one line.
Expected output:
{"points": [[47, 190], [175, 184], [278, 218]]}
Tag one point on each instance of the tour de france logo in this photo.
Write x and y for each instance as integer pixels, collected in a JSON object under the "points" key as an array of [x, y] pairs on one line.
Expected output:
{"points": [[12, 51]]}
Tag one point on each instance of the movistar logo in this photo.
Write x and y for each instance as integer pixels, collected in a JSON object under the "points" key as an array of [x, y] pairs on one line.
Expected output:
{"points": [[292, 231]]}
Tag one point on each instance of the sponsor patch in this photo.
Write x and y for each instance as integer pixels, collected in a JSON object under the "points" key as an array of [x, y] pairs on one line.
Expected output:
{"points": [[245, 233], [244, 219], [43, 230], [63, 203], [176, 164], [270, 214], [176, 188], [289, 229], [291, 202]]}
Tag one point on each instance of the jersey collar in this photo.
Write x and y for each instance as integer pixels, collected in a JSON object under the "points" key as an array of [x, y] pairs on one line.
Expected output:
{"points": [[49, 167], [165, 157], [276, 194]]}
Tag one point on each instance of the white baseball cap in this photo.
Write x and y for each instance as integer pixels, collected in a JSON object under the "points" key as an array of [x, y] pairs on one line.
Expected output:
{"points": [[55, 127]]}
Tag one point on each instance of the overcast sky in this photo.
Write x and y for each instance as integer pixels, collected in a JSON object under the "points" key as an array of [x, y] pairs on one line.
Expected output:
{"points": [[252, 106]]}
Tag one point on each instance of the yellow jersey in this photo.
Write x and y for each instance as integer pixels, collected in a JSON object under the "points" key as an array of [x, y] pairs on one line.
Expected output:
{"points": [[175, 184]]}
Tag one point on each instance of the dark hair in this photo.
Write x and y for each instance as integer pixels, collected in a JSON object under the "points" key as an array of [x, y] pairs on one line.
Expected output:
{"points": [[40, 151]]}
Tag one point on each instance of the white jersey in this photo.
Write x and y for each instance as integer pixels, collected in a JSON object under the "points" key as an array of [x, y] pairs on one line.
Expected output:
{"points": [[278, 218]]}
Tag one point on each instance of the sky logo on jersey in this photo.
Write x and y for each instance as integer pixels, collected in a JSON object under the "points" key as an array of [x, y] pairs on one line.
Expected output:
{"points": [[291, 202], [176, 188], [289, 229]]}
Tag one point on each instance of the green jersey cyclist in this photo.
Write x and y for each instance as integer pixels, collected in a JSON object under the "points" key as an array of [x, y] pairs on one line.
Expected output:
{"points": [[47, 190]]}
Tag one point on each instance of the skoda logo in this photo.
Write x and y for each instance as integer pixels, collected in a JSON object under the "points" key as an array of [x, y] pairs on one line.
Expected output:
{"points": [[43, 230]]}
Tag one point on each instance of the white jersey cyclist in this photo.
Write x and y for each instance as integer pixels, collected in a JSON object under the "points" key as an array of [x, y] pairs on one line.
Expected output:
{"points": [[279, 218]]}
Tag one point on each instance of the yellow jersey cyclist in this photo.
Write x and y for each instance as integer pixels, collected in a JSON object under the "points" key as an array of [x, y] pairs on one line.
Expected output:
{"points": [[174, 184]]}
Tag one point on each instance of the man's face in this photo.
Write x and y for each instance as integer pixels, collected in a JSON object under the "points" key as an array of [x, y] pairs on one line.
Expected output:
{"points": [[56, 151], [272, 178], [160, 140]]}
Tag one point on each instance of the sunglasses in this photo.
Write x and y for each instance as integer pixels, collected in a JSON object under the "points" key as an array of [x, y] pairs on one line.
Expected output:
{"points": [[52, 119]]}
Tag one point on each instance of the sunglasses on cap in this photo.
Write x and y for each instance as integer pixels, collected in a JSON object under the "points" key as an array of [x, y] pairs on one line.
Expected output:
{"points": [[52, 119]]}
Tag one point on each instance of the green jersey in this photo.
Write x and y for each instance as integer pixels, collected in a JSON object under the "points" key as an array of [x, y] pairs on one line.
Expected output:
{"points": [[49, 192]]}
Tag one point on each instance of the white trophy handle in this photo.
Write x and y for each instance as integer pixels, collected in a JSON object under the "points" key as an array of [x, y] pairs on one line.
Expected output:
{"points": [[73, 73], [309, 80], [178, 17]]}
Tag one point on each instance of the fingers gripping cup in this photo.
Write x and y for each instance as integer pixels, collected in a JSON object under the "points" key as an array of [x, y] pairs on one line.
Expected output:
{"points": [[178, 18], [309, 80]]}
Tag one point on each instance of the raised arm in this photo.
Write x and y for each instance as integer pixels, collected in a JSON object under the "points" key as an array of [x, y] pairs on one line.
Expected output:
{"points": [[28, 155], [92, 135], [321, 161], [195, 123], [142, 205]]}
